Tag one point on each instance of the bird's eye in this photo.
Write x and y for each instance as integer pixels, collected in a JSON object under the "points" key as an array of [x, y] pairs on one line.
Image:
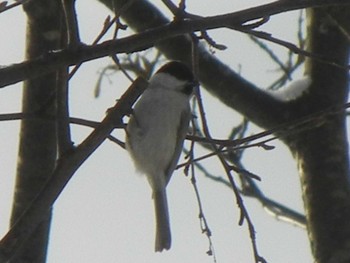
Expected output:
{"points": [[188, 89]]}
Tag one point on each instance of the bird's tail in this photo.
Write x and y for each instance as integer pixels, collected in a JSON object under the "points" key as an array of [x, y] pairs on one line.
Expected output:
{"points": [[163, 235]]}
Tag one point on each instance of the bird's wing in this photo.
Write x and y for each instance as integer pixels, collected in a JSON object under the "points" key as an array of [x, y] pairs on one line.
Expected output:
{"points": [[181, 135]]}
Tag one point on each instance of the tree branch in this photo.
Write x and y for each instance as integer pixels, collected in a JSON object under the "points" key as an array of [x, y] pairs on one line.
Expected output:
{"points": [[66, 167], [220, 80]]}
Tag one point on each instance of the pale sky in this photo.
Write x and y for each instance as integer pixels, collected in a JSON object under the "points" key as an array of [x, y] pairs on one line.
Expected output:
{"points": [[105, 214]]}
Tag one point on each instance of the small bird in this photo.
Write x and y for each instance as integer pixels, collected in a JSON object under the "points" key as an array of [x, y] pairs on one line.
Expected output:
{"points": [[155, 134]]}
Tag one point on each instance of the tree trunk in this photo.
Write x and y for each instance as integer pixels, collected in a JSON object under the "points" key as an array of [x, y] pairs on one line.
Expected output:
{"points": [[322, 152], [37, 146]]}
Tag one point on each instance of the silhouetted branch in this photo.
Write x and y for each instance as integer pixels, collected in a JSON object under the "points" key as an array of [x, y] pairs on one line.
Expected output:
{"points": [[65, 169], [58, 58]]}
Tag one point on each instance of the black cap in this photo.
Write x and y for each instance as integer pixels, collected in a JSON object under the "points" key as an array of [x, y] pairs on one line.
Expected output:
{"points": [[178, 70]]}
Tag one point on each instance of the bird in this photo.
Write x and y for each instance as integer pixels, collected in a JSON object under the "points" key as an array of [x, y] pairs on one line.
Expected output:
{"points": [[155, 134]]}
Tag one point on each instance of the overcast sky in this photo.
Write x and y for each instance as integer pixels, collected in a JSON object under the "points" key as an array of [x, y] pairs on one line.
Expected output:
{"points": [[105, 214]]}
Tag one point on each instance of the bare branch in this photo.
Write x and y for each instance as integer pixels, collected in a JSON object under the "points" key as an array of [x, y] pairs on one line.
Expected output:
{"points": [[53, 61], [66, 167], [5, 7], [73, 37]]}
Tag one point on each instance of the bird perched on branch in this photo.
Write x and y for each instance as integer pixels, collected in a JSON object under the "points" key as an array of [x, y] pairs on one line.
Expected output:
{"points": [[155, 134]]}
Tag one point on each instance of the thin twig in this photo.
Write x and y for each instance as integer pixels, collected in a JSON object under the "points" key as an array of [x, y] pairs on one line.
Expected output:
{"points": [[67, 165], [5, 7], [244, 213], [54, 60], [204, 223], [121, 68], [275, 208], [292, 47], [203, 220], [107, 25]]}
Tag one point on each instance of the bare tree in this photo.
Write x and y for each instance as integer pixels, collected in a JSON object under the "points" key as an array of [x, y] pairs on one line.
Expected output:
{"points": [[313, 126]]}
